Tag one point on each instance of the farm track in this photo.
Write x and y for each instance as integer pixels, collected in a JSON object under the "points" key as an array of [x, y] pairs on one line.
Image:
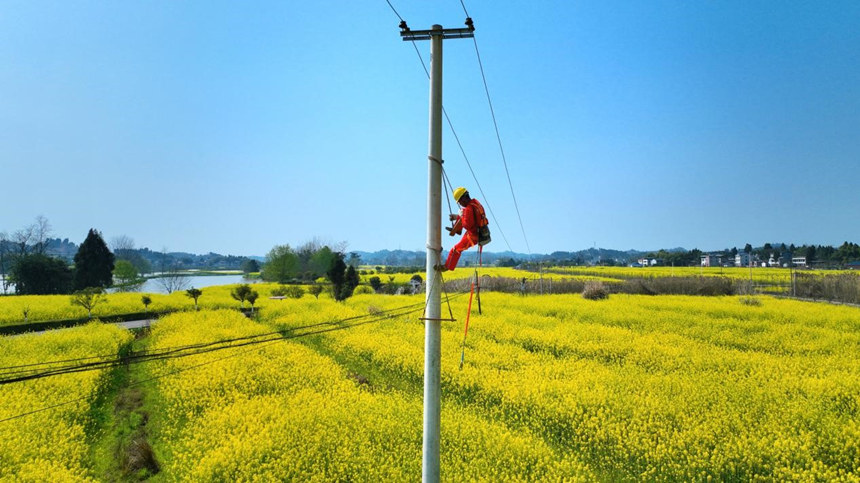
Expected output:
{"points": [[118, 436]]}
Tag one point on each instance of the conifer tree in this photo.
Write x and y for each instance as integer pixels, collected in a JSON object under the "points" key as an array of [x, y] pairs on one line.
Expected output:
{"points": [[352, 281], [336, 274], [93, 263]]}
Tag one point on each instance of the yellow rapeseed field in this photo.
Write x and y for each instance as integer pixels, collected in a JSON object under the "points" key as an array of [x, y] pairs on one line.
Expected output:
{"points": [[285, 412], [674, 388], [52, 445], [59, 307], [500, 272], [554, 388], [766, 275]]}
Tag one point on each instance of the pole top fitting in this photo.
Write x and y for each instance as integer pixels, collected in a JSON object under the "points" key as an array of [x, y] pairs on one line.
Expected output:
{"points": [[436, 31]]}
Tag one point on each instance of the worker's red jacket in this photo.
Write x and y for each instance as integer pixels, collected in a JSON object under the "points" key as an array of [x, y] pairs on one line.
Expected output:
{"points": [[472, 217]]}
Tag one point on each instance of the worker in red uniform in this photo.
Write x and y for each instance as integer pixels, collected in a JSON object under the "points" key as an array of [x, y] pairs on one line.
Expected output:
{"points": [[474, 220]]}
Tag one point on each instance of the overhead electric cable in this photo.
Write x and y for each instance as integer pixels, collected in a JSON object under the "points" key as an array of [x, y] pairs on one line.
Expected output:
{"points": [[498, 136], [475, 177], [448, 188], [10, 369], [183, 351], [264, 342], [464, 9], [457, 138], [395, 11]]}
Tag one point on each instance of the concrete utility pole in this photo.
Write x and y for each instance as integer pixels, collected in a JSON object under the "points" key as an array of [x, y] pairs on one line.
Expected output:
{"points": [[433, 312]]}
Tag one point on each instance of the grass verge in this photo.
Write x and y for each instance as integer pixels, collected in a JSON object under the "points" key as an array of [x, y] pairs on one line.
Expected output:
{"points": [[120, 450]]}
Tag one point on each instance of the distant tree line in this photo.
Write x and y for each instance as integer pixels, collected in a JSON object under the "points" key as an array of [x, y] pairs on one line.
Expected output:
{"points": [[819, 255], [677, 258], [144, 260], [34, 263], [822, 255], [25, 263], [311, 261]]}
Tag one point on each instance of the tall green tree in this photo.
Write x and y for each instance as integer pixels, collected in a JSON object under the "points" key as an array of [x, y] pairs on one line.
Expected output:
{"points": [[351, 281], [41, 275], [126, 276], [321, 261], [810, 254], [4, 260], [123, 249], [354, 260], [249, 266], [375, 283], [93, 262], [282, 265], [336, 274]]}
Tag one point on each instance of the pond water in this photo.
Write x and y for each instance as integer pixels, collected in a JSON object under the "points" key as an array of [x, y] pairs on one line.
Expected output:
{"points": [[152, 285], [10, 289]]}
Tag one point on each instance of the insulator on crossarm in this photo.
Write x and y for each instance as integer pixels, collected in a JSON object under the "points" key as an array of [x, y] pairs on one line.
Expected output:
{"points": [[469, 23]]}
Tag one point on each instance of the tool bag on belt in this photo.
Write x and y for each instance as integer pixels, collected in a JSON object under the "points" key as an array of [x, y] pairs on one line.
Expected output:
{"points": [[483, 227]]}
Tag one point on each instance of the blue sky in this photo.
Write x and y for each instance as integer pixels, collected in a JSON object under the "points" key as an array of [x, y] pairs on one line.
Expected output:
{"points": [[235, 126]]}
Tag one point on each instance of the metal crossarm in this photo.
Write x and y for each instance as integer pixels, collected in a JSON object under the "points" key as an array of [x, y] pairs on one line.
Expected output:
{"points": [[411, 35]]}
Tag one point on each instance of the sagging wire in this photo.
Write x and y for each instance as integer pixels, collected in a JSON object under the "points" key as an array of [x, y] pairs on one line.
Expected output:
{"points": [[454, 132], [263, 343]]}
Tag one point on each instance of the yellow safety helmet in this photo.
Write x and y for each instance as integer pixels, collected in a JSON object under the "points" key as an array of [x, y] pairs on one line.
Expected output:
{"points": [[458, 193]]}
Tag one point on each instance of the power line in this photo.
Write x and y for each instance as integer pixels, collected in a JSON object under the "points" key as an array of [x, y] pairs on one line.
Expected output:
{"points": [[9, 369], [456, 137], [475, 177], [395, 11], [195, 349], [171, 373], [448, 187], [265, 342], [166, 350], [498, 136], [464, 9], [31, 371]]}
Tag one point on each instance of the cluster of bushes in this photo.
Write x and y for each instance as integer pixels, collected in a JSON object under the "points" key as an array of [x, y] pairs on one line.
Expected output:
{"points": [[404, 269], [290, 291], [413, 286], [843, 287], [709, 286], [595, 290]]}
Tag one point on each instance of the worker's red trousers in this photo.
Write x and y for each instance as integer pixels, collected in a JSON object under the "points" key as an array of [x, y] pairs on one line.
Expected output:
{"points": [[469, 240]]}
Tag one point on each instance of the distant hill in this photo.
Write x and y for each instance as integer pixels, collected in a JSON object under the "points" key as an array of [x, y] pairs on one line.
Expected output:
{"points": [[147, 260], [508, 258]]}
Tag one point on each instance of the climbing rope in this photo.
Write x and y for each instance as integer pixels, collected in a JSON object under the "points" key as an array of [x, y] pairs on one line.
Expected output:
{"points": [[466, 329], [474, 289]]}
